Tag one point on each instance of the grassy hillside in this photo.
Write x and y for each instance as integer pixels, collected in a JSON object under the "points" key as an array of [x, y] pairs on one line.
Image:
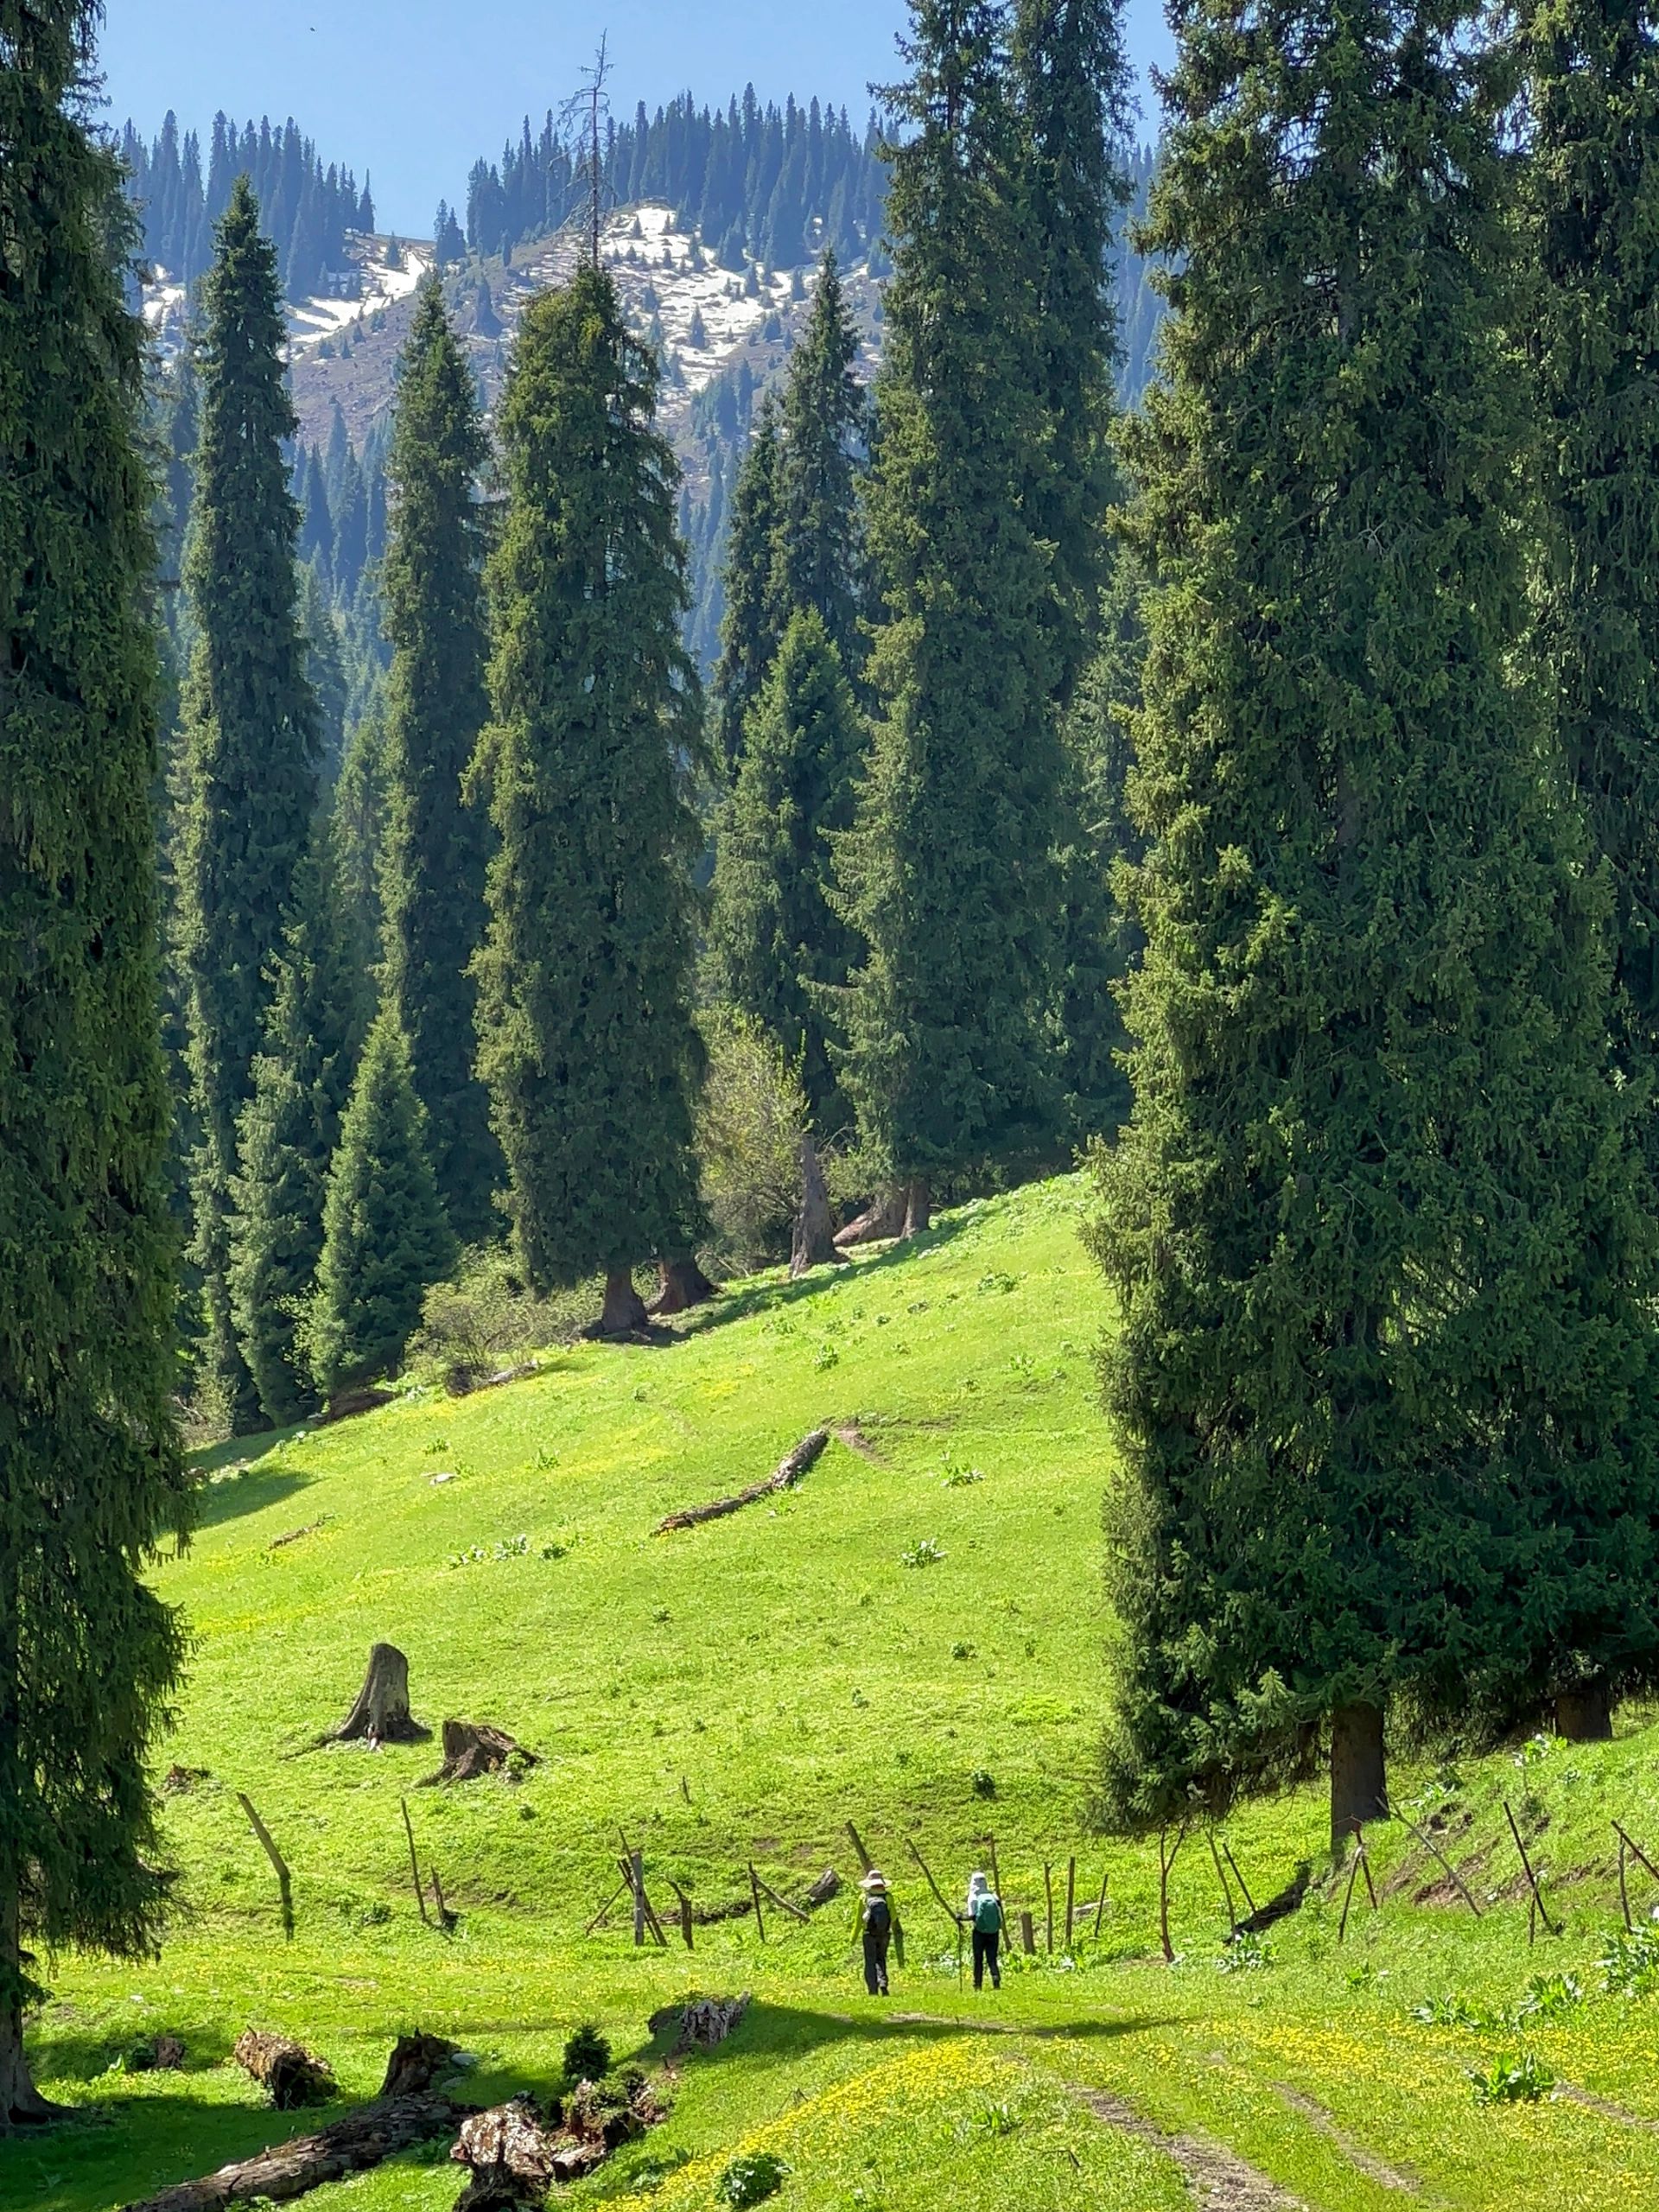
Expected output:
{"points": [[740, 1692]]}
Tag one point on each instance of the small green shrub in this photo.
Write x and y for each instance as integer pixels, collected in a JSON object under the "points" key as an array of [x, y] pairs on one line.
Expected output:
{"points": [[983, 1785], [928, 1553], [752, 1114], [1245, 1956], [1453, 2010], [1629, 1963], [751, 2179], [1549, 1997], [587, 2054], [1519, 2080], [474, 1324]]}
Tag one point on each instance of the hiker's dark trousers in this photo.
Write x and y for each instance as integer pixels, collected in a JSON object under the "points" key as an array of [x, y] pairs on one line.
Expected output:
{"points": [[985, 1949], [875, 1962]]}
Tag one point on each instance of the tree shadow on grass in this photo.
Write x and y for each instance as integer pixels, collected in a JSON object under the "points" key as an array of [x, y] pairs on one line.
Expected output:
{"points": [[255, 1487], [789, 2031], [749, 1295]]}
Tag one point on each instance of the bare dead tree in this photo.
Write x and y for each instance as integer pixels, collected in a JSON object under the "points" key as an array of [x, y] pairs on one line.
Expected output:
{"points": [[584, 111]]}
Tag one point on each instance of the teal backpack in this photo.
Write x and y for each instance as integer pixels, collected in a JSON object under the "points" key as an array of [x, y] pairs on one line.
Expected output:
{"points": [[988, 1914]]}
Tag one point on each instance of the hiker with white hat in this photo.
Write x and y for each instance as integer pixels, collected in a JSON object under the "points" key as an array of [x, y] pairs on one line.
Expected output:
{"points": [[878, 1924], [984, 1921]]}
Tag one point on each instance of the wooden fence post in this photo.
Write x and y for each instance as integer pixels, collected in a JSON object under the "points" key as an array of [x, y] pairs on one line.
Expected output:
{"points": [[283, 1886], [1027, 1935]]}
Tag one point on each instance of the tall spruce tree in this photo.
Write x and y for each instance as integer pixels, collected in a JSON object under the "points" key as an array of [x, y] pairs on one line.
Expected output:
{"points": [[289, 1129], [1384, 1381], [776, 944], [1593, 168], [950, 874], [584, 977], [752, 623], [385, 1238], [817, 557], [1072, 87], [432, 880], [91, 1475], [249, 731]]}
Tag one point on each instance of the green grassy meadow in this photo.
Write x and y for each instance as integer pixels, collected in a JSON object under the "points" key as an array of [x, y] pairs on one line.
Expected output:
{"points": [[738, 1691]]}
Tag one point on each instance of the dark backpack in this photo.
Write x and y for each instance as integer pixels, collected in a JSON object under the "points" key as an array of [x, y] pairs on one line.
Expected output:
{"points": [[877, 1915]]}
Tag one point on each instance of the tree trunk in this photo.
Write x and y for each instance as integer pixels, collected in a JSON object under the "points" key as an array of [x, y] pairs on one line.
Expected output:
{"points": [[21, 2104], [381, 1715], [918, 1207], [883, 1217], [680, 1284], [349, 2145], [1585, 1714], [1359, 1775], [813, 1242], [624, 1311]]}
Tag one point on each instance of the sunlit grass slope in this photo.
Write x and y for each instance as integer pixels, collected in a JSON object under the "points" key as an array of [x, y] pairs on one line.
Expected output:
{"points": [[740, 1692]]}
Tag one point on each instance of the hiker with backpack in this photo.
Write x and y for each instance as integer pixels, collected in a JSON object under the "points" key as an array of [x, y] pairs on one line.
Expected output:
{"points": [[878, 1924], [983, 1918]]}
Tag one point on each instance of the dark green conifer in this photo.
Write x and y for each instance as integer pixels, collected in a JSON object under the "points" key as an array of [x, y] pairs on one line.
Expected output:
{"points": [[385, 1238], [249, 730], [584, 978], [1593, 173], [90, 1466], [432, 880], [949, 873], [817, 556], [775, 939], [289, 1131], [1383, 1384], [753, 622], [1072, 88]]}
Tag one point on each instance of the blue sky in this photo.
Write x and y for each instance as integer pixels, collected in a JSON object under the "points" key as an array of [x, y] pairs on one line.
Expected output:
{"points": [[414, 90]]}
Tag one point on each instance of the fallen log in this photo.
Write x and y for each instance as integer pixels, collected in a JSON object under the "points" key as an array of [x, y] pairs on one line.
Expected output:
{"points": [[344, 1404], [474, 1747], [350, 2146], [287, 2073], [883, 1217], [794, 1465]]}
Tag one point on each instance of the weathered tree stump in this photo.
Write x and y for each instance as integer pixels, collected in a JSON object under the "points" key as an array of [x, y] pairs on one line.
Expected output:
{"points": [[1358, 1771], [415, 2065], [883, 1217], [681, 1285], [381, 1715], [510, 2150], [287, 2073], [623, 1313], [700, 2023], [828, 1885], [812, 1241], [474, 1747], [348, 2146]]}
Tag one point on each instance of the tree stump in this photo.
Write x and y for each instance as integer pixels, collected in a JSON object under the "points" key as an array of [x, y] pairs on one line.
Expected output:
{"points": [[474, 1747], [381, 1715], [681, 1285], [510, 2151], [883, 1217], [812, 1241], [623, 1314], [285, 2069], [828, 1885], [415, 2065], [364, 1398]]}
